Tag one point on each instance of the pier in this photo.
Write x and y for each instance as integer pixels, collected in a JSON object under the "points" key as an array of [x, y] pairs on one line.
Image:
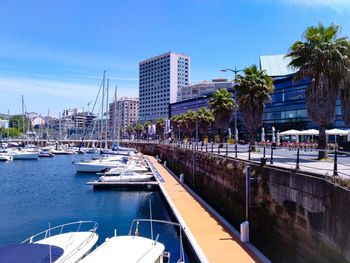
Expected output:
{"points": [[211, 238]]}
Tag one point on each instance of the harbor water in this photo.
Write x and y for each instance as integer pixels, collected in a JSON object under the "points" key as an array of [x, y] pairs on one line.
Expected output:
{"points": [[34, 193]]}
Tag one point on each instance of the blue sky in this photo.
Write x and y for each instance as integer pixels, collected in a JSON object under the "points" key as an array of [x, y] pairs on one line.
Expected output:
{"points": [[54, 52]]}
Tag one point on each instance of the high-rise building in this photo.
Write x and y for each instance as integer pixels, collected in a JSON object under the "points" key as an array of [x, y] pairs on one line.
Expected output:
{"points": [[129, 111], [159, 79]]}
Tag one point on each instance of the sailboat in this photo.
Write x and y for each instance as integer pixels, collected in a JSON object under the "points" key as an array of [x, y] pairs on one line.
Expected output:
{"points": [[24, 154]]}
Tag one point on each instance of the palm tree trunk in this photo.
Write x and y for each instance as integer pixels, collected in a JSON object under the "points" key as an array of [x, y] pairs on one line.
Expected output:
{"points": [[322, 143], [252, 132]]}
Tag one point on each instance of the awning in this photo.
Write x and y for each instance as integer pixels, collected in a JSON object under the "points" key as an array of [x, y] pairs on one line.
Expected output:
{"points": [[289, 133], [337, 132]]}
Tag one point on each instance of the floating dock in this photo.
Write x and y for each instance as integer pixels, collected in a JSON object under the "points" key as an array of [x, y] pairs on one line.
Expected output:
{"points": [[210, 235]]}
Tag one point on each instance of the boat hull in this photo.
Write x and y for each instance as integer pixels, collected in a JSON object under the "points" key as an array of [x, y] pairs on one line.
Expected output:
{"points": [[25, 156]]}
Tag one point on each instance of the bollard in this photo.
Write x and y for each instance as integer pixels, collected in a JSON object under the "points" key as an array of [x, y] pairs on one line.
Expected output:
{"points": [[271, 160], [164, 163], [297, 166], [227, 149], [335, 171], [181, 178]]}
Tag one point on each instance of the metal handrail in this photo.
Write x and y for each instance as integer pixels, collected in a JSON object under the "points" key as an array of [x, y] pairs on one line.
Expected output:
{"points": [[93, 230]]}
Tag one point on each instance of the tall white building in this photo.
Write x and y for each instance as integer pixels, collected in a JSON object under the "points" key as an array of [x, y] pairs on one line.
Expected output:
{"points": [[129, 111], [159, 79]]}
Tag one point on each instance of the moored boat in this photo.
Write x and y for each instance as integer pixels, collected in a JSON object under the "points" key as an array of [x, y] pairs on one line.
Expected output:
{"points": [[134, 248], [68, 243]]}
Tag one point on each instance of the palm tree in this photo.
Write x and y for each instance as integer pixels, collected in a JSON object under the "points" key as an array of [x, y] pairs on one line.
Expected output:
{"points": [[175, 121], [122, 131], [138, 130], [205, 120], [324, 59], [160, 126], [223, 105], [182, 123], [129, 130], [253, 90], [145, 126], [191, 120]]}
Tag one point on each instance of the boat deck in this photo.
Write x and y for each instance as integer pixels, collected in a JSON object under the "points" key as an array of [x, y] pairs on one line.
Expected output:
{"points": [[217, 242], [129, 185]]}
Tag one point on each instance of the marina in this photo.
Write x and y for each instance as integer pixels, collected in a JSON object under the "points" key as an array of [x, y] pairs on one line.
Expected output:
{"points": [[59, 195]]}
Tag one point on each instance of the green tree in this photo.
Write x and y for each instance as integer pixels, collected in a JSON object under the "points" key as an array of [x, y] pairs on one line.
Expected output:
{"points": [[11, 132], [146, 125], [2, 117], [16, 120], [222, 104], [160, 127], [138, 129], [324, 59], [191, 120], [129, 130], [253, 90], [122, 131], [205, 119], [175, 122], [182, 123]]}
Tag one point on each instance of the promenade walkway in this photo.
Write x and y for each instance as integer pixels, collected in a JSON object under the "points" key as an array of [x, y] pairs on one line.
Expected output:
{"points": [[218, 243]]}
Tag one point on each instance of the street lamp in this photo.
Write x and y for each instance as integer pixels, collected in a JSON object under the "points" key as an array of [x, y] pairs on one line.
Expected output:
{"points": [[234, 71]]}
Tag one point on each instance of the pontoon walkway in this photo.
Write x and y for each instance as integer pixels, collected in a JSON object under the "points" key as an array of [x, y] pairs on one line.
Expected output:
{"points": [[211, 239]]}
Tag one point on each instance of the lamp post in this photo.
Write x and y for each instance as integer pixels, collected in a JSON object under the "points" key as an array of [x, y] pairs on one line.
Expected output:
{"points": [[234, 71]]}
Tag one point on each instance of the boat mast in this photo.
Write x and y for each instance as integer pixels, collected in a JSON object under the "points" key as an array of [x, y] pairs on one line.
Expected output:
{"points": [[59, 125], [103, 97], [107, 116], [114, 113], [23, 117], [118, 127]]}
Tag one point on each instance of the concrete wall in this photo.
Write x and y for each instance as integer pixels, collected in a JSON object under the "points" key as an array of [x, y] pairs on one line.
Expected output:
{"points": [[294, 217]]}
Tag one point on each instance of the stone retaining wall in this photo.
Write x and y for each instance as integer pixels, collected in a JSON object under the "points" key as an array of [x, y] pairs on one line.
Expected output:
{"points": [[294, 217]]}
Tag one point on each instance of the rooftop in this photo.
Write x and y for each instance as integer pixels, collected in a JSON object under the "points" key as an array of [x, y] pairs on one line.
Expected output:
{"points": [[276, 65]]}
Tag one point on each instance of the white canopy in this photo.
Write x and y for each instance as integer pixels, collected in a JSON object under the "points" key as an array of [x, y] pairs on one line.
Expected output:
{"points": [[337, 132], [309, 132], [289, 132]]}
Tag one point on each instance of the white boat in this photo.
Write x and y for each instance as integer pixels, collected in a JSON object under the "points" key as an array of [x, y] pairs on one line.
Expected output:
{"points": [[4, 157], [127, 177], [133, 248], [91, 150], [132, 167], [62, 152], [24, 155], [59, 244], [97, 166]]}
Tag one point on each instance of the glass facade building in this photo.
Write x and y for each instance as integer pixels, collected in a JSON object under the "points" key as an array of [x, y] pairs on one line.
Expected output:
{"points": [[287, 108], [159, 79]]}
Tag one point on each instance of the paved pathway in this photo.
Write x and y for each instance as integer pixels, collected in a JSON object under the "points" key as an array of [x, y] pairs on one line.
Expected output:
{"points": [[217, 242]]}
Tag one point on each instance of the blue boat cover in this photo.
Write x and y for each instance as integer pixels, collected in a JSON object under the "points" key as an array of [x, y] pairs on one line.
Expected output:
{"points": [[29, 253]]}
